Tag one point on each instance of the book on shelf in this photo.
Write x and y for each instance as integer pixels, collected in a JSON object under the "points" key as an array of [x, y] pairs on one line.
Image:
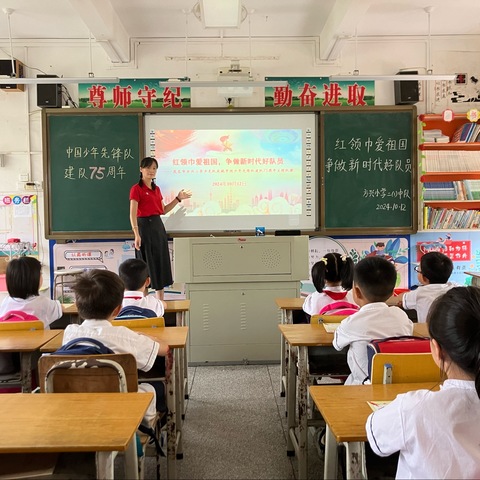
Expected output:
{"points": [[451, 161], [450, 219], [465, 133], [439, 191], [472, 189]]}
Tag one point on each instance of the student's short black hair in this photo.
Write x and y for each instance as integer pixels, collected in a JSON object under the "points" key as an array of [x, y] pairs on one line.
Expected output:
{"points": [[454, 322], [134, 273], [98, 293], [436, 266], [23, 277], [376, 277]]}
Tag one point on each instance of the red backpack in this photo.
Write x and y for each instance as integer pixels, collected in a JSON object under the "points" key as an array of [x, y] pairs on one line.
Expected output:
{"points": [[340, 307], [18, 316]]}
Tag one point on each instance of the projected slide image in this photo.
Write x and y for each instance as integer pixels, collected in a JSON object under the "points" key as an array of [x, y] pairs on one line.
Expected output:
{"points": [[231, 172]]}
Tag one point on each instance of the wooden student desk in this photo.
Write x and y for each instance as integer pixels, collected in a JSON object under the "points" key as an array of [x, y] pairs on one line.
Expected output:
{"points": [[345, 410], [179, 307], [287, 306], [75, 422], [299, 337], [25, 342], [176, 339]]}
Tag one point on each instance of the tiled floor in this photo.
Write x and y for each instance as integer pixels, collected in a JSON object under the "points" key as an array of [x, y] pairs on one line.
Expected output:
{"points": [[235, 427]]}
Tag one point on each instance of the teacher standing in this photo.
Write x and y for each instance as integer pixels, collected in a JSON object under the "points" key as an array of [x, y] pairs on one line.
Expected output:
{"points": [[151, 241]]}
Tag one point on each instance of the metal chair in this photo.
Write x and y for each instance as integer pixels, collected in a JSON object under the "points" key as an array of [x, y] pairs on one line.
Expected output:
{"points": [[93, 374]]}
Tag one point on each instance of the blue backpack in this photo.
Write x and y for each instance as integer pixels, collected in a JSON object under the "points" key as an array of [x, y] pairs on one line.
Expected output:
{"points": [[131, 312], [83, 346]]}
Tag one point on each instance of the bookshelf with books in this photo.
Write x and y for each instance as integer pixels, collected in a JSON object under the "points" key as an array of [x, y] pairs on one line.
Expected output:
{"points": [[450, 176]]}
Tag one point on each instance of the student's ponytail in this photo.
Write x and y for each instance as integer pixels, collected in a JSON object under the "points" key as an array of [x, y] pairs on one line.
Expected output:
{"points": [[334, 268], [346, 271], [318, 274], [454, 322]]}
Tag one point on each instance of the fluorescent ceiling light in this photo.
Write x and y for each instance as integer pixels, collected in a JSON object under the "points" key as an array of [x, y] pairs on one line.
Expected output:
{"points": [[56, 80], [221, 13], [220, 84], [339, 78]]}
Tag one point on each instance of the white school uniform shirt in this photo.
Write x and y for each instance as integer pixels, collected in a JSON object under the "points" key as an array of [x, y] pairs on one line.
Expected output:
{"points": [[317, 300], [118, 339], [422, 298], [121, 340], [136, 298], [43, 308], [372, 321], [437, 433]]}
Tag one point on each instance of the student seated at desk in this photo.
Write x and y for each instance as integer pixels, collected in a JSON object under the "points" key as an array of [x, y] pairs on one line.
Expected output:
{"points": [[433, 273], [99, 295], [332, 278], [134, 273], [374, 279], [437, 433], [24, 302], [24, 279]]}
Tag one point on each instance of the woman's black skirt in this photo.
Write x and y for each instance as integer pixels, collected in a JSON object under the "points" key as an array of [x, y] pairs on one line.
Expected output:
{"points": [[154, 251]]}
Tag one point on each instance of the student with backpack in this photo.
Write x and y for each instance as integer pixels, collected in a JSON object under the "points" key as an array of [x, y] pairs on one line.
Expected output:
{"points": [[332, 278], [415, 421], [99, 295], [135, 276], [374, 279], [24, 302]]}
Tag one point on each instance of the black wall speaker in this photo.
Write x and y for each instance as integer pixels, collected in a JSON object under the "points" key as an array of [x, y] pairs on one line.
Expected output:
{"points": [[49, 95], [6, 70], [406, 91]]}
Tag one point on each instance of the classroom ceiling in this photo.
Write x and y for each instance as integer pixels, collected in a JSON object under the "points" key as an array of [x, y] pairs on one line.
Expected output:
{"points": [[114, 23]]}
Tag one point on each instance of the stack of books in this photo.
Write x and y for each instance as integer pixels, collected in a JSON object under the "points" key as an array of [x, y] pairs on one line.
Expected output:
{"points": [[439, 191], [456, 190], [451, 161], [435, 136]]}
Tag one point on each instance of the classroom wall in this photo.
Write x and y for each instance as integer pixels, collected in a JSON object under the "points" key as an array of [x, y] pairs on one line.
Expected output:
{"points": [[20, 118]]}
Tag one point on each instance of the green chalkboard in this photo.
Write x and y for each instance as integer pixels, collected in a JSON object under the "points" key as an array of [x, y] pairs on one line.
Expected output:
{"points": [[91, 160], [368, 168]]}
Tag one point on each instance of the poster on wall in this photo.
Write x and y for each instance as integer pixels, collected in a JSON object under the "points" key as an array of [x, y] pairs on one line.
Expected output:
{"points": [[100, 255], [394, 249], [18, 225], [463, 248]]}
